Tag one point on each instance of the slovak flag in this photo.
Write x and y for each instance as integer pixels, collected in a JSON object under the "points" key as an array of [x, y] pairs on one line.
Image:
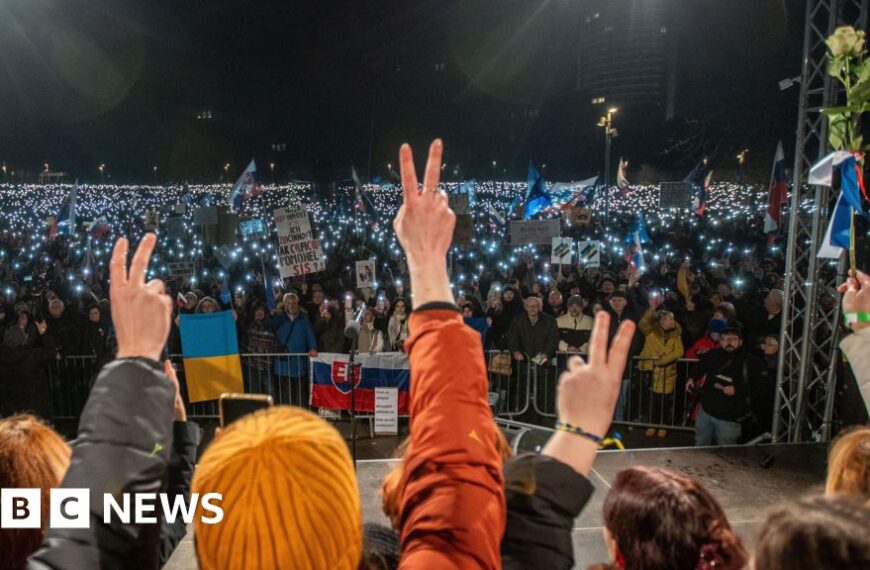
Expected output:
{"points": [[244, 188], [778, 192], [621, 180]]}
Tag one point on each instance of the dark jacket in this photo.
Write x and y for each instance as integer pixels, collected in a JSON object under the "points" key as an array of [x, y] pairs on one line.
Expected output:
{"points": [[124, 444], [65, 333], [330, 336], [543, 496], [542, 337], [723, 369], [185, 440]]}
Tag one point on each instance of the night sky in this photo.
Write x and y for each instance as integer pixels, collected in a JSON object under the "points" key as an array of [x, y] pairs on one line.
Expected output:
{"points": [[84, 82]]}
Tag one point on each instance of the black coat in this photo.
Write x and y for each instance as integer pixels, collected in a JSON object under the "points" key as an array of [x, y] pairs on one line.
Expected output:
{"points": [[330, 336], [125, 444], [542, 337], [543, 497]]}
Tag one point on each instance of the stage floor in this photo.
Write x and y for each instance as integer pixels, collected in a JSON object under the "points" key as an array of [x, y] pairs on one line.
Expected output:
{"points": [[734, 475]]}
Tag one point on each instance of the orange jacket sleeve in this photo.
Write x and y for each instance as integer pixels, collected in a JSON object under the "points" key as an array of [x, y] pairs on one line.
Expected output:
{"points": [[452, 513]]}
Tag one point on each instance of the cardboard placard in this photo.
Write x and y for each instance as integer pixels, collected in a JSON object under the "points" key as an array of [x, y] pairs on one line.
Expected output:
{"points": [[151, 220], [538, 232], [298, 252], [563, 251], [365, 273], [181, 269], [589, 253]]}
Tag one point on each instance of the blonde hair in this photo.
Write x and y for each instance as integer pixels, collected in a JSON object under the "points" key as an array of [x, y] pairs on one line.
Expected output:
{"points": [[849, 465]]}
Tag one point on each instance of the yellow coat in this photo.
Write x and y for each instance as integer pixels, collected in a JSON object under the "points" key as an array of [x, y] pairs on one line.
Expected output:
{"points": [[665, 347]]}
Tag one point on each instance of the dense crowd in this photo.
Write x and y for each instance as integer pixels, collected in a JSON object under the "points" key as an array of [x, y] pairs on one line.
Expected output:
{"points": [[457, 499]]}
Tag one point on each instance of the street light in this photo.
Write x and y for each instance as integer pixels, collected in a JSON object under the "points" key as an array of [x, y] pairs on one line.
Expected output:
{"points": [[610, 131], [155, 174], [102, 169]]}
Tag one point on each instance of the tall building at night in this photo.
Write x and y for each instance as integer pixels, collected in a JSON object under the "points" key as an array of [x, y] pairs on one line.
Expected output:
{"points": [[627, 52]]}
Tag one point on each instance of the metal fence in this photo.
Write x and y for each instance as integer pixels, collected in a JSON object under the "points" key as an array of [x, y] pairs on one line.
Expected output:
{"points": [[528, 388]]}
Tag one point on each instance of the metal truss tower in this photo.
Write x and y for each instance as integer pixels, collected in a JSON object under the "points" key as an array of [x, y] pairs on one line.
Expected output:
{"points": [[806, 379]]}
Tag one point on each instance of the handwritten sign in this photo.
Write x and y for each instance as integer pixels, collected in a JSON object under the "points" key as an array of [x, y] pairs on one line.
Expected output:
{"points": [[298, 252]]}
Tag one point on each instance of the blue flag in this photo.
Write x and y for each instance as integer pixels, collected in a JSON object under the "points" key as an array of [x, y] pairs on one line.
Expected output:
{"points": [[637, 228], [468, 188], [537, 198]]}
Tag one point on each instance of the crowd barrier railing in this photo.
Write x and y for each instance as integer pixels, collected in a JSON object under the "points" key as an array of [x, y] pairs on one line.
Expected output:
{"points": [[283, 376], [647, 398]]}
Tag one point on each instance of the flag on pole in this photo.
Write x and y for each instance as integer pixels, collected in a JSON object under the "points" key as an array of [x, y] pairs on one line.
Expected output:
{"points": [[635, 255], [699, 177], [537, 198], [637, 231], [778, 192], [244, 188], [468, 188], [210, 348], [361, 199], [621, 180]]}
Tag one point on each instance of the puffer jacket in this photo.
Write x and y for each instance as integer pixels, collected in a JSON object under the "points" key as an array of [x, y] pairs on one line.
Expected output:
{"points": [[661, 350]]}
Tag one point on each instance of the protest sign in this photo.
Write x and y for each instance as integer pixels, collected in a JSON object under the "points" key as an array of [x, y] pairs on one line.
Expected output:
{"points": [[386, 411], [589, 253], [563, 250], [539, 232], [181, 269], [298, 252], [365, 273], [151, 220]]}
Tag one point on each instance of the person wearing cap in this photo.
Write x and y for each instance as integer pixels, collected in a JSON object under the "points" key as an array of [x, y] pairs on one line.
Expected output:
{"points": [[574, 327], [721, 383], [554, 306], [710, 340]]}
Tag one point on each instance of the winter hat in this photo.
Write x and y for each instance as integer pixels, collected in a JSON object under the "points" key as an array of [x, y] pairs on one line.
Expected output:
{"points": [[290, 498], [716, 325]]}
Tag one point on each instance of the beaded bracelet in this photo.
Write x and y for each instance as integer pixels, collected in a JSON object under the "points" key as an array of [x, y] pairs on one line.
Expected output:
{"points": [[577, 430], [851, 318]]}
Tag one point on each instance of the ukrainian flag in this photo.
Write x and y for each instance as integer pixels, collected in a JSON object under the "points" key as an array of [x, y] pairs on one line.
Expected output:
{"points": [[210, 348]]}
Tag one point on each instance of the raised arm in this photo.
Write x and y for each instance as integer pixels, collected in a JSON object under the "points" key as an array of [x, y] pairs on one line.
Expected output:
{"points": [[452, 512]]}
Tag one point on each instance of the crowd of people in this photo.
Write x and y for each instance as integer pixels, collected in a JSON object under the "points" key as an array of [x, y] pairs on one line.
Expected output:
{"points": [[458, 500], [700, 276]]}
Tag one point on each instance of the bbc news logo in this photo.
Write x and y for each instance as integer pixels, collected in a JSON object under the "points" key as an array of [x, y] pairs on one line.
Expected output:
{"points": [[70, 508]]}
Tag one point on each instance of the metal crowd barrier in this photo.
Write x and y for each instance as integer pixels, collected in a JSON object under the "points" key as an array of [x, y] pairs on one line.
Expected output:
{"points": [[642, 402], [283, 376]]}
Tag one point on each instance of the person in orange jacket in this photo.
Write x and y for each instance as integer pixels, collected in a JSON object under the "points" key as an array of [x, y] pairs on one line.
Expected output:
{"points": [[452, 513]]}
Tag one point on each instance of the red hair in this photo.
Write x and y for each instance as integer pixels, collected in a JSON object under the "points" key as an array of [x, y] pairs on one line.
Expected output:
{"points": [[662, 519], [32, 455]]}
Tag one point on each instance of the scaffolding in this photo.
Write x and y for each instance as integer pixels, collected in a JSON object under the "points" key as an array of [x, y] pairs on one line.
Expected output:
{"points": [[808, 357]]}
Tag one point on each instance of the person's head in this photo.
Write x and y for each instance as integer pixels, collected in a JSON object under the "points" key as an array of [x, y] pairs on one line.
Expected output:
{"points": [[94, 314], [554, 299], [400, 308], [770, 345], [23, 318], [291, 303], [289, 495], [55, 308], [537, 288], [724, 290], [391, 490], [508, 295], [618, 301], [666, 320], [467, 310], [730, 339], [207, 305], [317, 297], [32, 455], [190, 301], [259, 313], [726, 312], [849, 465], [822, 533], [575, 306], [607, 286], [533, 307], [716, 299], [773, 302], [656, 519], [369, 315]]}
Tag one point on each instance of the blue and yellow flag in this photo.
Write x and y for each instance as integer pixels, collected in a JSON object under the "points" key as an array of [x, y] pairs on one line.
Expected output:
{"points": [[210, 348]]}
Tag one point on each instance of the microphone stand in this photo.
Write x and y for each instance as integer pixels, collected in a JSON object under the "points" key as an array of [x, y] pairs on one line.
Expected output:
{"points": [[351, 366]]}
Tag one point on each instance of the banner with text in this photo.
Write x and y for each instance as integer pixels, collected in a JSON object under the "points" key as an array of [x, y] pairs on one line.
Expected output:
{"points": [[539, 232], [298, 252]]}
